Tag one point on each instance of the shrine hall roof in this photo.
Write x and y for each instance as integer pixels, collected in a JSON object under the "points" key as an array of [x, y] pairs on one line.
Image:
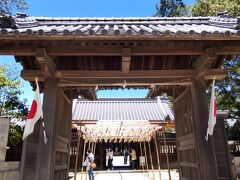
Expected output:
{"points": [[22, 25], [123, 109]]}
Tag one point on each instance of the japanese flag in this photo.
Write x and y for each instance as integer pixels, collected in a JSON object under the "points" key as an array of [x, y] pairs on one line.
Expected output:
{"points": [[212, 113], [34, 114]]}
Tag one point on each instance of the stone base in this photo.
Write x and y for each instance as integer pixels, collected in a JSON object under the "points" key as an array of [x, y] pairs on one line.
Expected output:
{"points": [[9, 170]]}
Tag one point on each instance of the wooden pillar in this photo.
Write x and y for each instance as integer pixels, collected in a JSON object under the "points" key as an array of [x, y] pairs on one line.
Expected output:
{"points": [[93, 144], [206, 152], [150, 152], [89, 145], [94, 149], [145, 152], [53, 157], [83, 159], [46, 152], [166, 152], [76, 160], [141, 167], [157, 153]]}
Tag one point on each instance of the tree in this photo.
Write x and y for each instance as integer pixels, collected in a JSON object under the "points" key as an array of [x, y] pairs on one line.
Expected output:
{"points": [[7, 6], [14, 135], [170, 8], [228, 89], [10, 103], [233, 132], [212, 7]]}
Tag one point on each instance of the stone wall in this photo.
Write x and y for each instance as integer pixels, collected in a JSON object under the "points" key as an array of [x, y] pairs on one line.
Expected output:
{"points": [[9, 170]]}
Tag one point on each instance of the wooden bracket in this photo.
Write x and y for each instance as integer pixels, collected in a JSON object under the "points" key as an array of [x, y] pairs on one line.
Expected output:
{"points": [[203, 63], [46, 63], [126, 59], [65, 96]]}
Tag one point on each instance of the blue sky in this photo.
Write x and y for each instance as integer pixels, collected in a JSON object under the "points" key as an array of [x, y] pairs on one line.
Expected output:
{"points": [[94, 8], [88, 8]]}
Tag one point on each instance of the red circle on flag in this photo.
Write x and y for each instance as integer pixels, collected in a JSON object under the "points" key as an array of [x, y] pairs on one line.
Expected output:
{"points": [[33, 110]]}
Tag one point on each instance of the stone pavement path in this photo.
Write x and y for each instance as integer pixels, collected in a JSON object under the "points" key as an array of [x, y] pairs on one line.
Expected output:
{"points": [[125, 175]]}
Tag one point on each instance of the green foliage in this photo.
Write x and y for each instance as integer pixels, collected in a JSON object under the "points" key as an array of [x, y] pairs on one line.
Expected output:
{"points": [[170, 8], [10, 103], [7, 6], [14, 135], [234, 131], [228, 89], [169, 130], [212, 7]]}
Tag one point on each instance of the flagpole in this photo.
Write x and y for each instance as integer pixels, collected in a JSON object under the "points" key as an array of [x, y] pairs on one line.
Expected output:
{"points": [[44, 132], [43, 125]]}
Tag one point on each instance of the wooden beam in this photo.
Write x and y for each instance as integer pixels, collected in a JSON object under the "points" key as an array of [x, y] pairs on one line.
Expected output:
{"points": [[126, 60], [30, 75], [65, 96], [73, 50], [46, 63], [132, 74], [215, 73], [115, 83]]}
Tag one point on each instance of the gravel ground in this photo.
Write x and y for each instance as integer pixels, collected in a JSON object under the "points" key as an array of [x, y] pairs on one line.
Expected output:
{"points": [[128, 175]]}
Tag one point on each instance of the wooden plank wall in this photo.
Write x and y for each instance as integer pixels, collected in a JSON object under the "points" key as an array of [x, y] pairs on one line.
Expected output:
{"points": [[63, 139], [29, 155], [186, 140], [221, 150]]}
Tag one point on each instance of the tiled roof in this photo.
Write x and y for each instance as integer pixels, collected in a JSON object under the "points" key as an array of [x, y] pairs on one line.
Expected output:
{"points": [[148, 26], [123, 109], [18, 122]]}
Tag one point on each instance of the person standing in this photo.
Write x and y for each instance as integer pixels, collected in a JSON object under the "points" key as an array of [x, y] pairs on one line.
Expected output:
{"points": [[87, 163], [107, 157], [125, 154], [110, 160], [133, 158]]}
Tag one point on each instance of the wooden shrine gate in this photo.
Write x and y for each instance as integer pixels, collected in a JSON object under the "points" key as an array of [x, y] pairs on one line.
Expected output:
{"points": [[78, 56]]}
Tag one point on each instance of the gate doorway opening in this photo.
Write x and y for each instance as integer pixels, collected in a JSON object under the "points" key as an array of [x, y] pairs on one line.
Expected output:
{"points": [[123, 125]]}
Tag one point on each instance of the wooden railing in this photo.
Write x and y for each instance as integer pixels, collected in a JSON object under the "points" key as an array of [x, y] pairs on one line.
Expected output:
{"points": [[170, 148]]}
